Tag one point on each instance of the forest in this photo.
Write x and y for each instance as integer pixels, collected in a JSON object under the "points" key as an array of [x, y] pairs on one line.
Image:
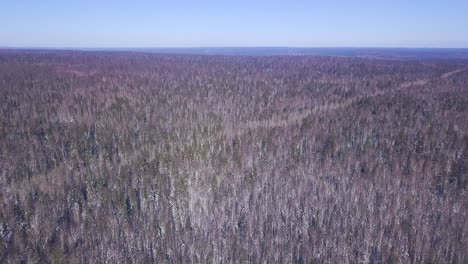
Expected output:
{"points": [[135, 157]]}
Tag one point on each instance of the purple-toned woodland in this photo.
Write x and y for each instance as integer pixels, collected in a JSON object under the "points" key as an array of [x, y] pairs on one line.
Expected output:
{"points": [[129, 157]]}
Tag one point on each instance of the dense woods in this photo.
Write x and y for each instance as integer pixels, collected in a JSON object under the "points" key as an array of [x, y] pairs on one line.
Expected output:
{"points": [[121, 157]]}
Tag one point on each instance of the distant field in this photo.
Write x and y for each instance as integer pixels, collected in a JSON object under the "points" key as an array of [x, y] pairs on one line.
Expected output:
{"points": [[352, 156]]}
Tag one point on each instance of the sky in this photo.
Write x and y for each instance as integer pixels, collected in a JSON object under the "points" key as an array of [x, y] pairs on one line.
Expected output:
{"points": [[241, 23]]}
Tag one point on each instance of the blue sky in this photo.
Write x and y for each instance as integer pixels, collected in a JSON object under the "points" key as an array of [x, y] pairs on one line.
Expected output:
{"points": [[209, 23]]}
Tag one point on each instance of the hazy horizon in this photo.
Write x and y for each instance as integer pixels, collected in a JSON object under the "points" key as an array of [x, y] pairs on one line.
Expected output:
{"points": [[366, 52], [229, 47]]}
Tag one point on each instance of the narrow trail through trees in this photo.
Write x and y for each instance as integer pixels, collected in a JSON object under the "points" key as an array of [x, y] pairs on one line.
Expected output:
{"points": [[294, 118]]}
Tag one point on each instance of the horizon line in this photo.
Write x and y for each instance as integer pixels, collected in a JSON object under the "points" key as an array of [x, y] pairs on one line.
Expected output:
{"points": [[226, 47]]}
